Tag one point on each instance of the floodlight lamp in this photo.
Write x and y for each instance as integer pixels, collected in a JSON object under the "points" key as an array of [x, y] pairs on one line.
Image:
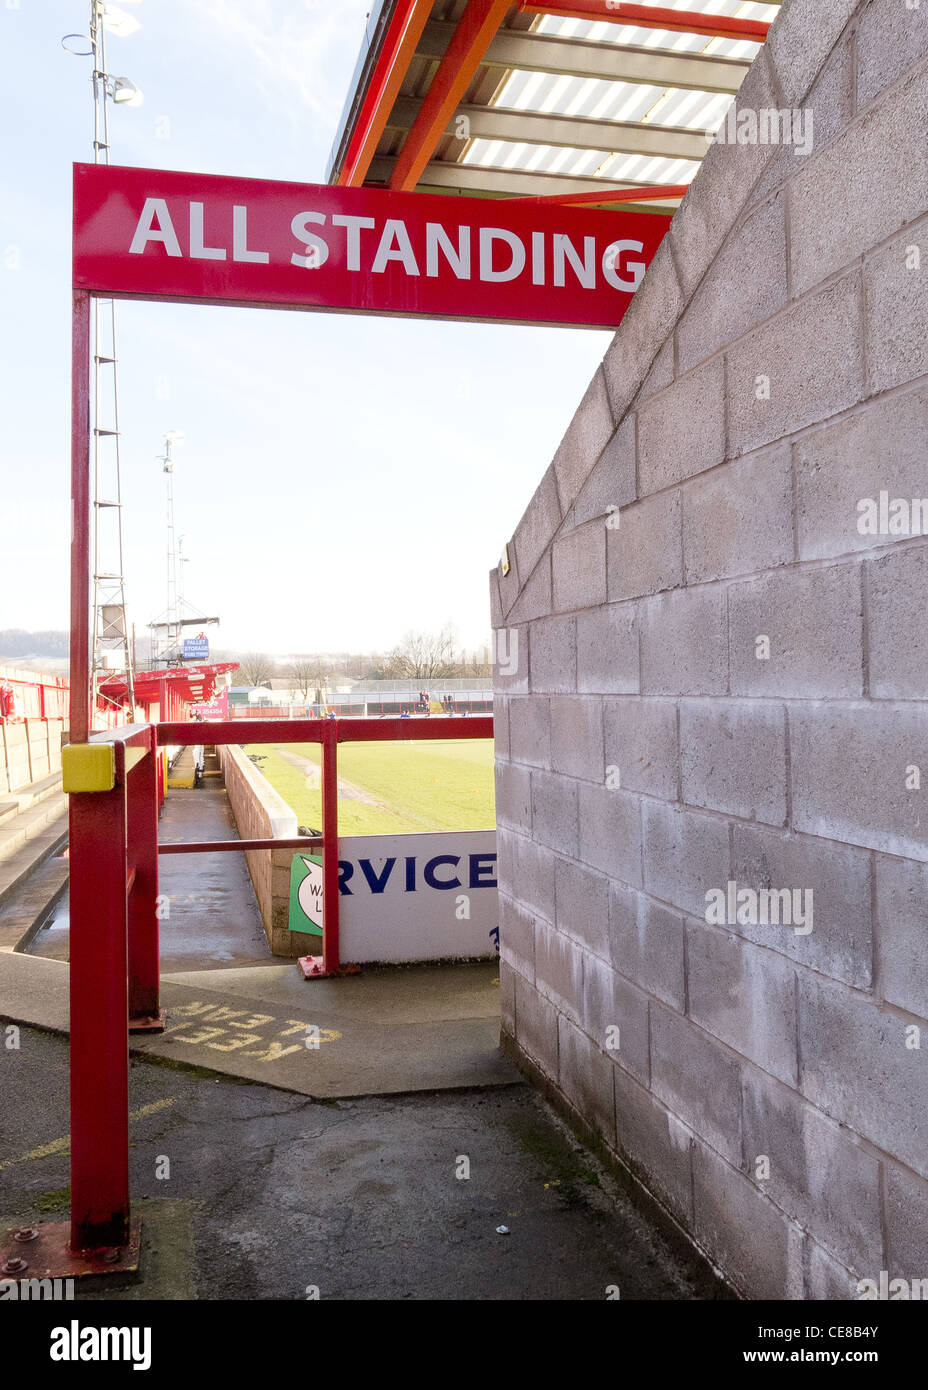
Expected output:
{"points": [[124, 92], [117, 22]]}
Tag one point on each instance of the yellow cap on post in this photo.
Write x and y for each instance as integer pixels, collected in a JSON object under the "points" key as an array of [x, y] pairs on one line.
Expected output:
{"points": [[88, 767]]}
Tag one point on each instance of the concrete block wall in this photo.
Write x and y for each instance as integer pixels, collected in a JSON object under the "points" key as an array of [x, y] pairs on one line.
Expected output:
{"points": [[30, 750], [710, 673], [262, 814]]}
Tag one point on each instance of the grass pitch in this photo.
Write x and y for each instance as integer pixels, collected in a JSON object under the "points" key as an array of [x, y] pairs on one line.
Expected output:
{"points": [[389, 788]]}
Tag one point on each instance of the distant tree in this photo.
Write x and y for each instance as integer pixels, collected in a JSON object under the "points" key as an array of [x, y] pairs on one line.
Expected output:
{"points": [[302, 671], [422, 656], [319, 679], [254, 668], [480, 663]]}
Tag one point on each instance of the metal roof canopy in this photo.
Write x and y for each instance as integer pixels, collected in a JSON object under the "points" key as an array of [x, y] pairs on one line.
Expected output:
{"points": [[490, 98]]}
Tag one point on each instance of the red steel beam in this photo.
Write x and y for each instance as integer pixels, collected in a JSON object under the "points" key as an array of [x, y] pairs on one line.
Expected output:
{"points": [[330, 935], [654, 193], [216, 846], [99, 1014], [348, 729], [80, 712], [142, 841], [399, 46], [715, 26], [475, 31], [172, 735]]}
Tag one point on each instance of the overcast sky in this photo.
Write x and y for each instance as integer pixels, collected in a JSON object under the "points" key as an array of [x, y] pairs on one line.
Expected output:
{"points": [[342, 479]]}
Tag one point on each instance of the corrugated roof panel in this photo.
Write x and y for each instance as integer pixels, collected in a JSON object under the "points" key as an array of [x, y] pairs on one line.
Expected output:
{"points": [[585, 98], [608, 101], [617, 101], [581, 163], [604, 32]]}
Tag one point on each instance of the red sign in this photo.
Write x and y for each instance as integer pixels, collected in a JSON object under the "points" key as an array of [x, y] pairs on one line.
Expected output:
{"points": [[216, 708], [158, 234]]}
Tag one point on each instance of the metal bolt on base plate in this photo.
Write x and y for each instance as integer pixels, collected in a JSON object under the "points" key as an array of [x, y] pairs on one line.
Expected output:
{"points": [[148, 1023], [43, 1252]]}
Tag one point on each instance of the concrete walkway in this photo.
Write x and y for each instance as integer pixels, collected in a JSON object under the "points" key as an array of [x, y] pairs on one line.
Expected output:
{"points": [[33, 873], [362, 1136], [270, 1195], [213, 920], [381, 1033], [237, 1010]]}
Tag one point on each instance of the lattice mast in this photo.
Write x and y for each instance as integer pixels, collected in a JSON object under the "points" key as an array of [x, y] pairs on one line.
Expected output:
{"points": [[111, 636]]}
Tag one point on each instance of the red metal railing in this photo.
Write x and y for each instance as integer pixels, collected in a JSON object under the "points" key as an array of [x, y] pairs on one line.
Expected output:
{"points": [[114, 945], [113, 948], [35, 698], [268, 712], [114, 869], [329, 733]]}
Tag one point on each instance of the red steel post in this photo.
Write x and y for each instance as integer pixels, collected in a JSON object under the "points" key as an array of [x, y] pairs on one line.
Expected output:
{"points": [[330, 944], [81, 714], [99, 1009], [474, 32], [402, 37], [142, 829]]}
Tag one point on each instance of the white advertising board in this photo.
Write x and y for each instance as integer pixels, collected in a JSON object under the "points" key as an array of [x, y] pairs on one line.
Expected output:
{"points": [[405, 898]]}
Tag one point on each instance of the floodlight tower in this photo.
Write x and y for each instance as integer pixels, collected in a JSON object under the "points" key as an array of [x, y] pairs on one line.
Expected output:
{"points": [[167, 630], [111, 638], [182, 560], [173, 615]]}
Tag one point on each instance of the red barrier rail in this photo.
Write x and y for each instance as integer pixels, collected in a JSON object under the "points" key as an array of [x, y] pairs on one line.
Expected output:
{"points": [[348, 729], [114, 945], [217, 846], [329, 733], [113, 819], [33, 699]]}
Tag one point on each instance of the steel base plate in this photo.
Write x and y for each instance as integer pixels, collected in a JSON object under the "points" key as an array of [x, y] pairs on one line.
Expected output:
{"points": [[42, 1252], [148, 1023], [313, 968]]}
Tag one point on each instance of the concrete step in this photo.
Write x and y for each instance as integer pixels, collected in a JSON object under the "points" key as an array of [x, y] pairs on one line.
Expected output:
{"points": [[28, 906], [12, 803], [45, 842], [34, 821], [182, 774]]}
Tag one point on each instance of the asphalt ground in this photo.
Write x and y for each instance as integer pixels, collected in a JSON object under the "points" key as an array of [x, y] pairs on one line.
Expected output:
{"points": [[269, 1195]]}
